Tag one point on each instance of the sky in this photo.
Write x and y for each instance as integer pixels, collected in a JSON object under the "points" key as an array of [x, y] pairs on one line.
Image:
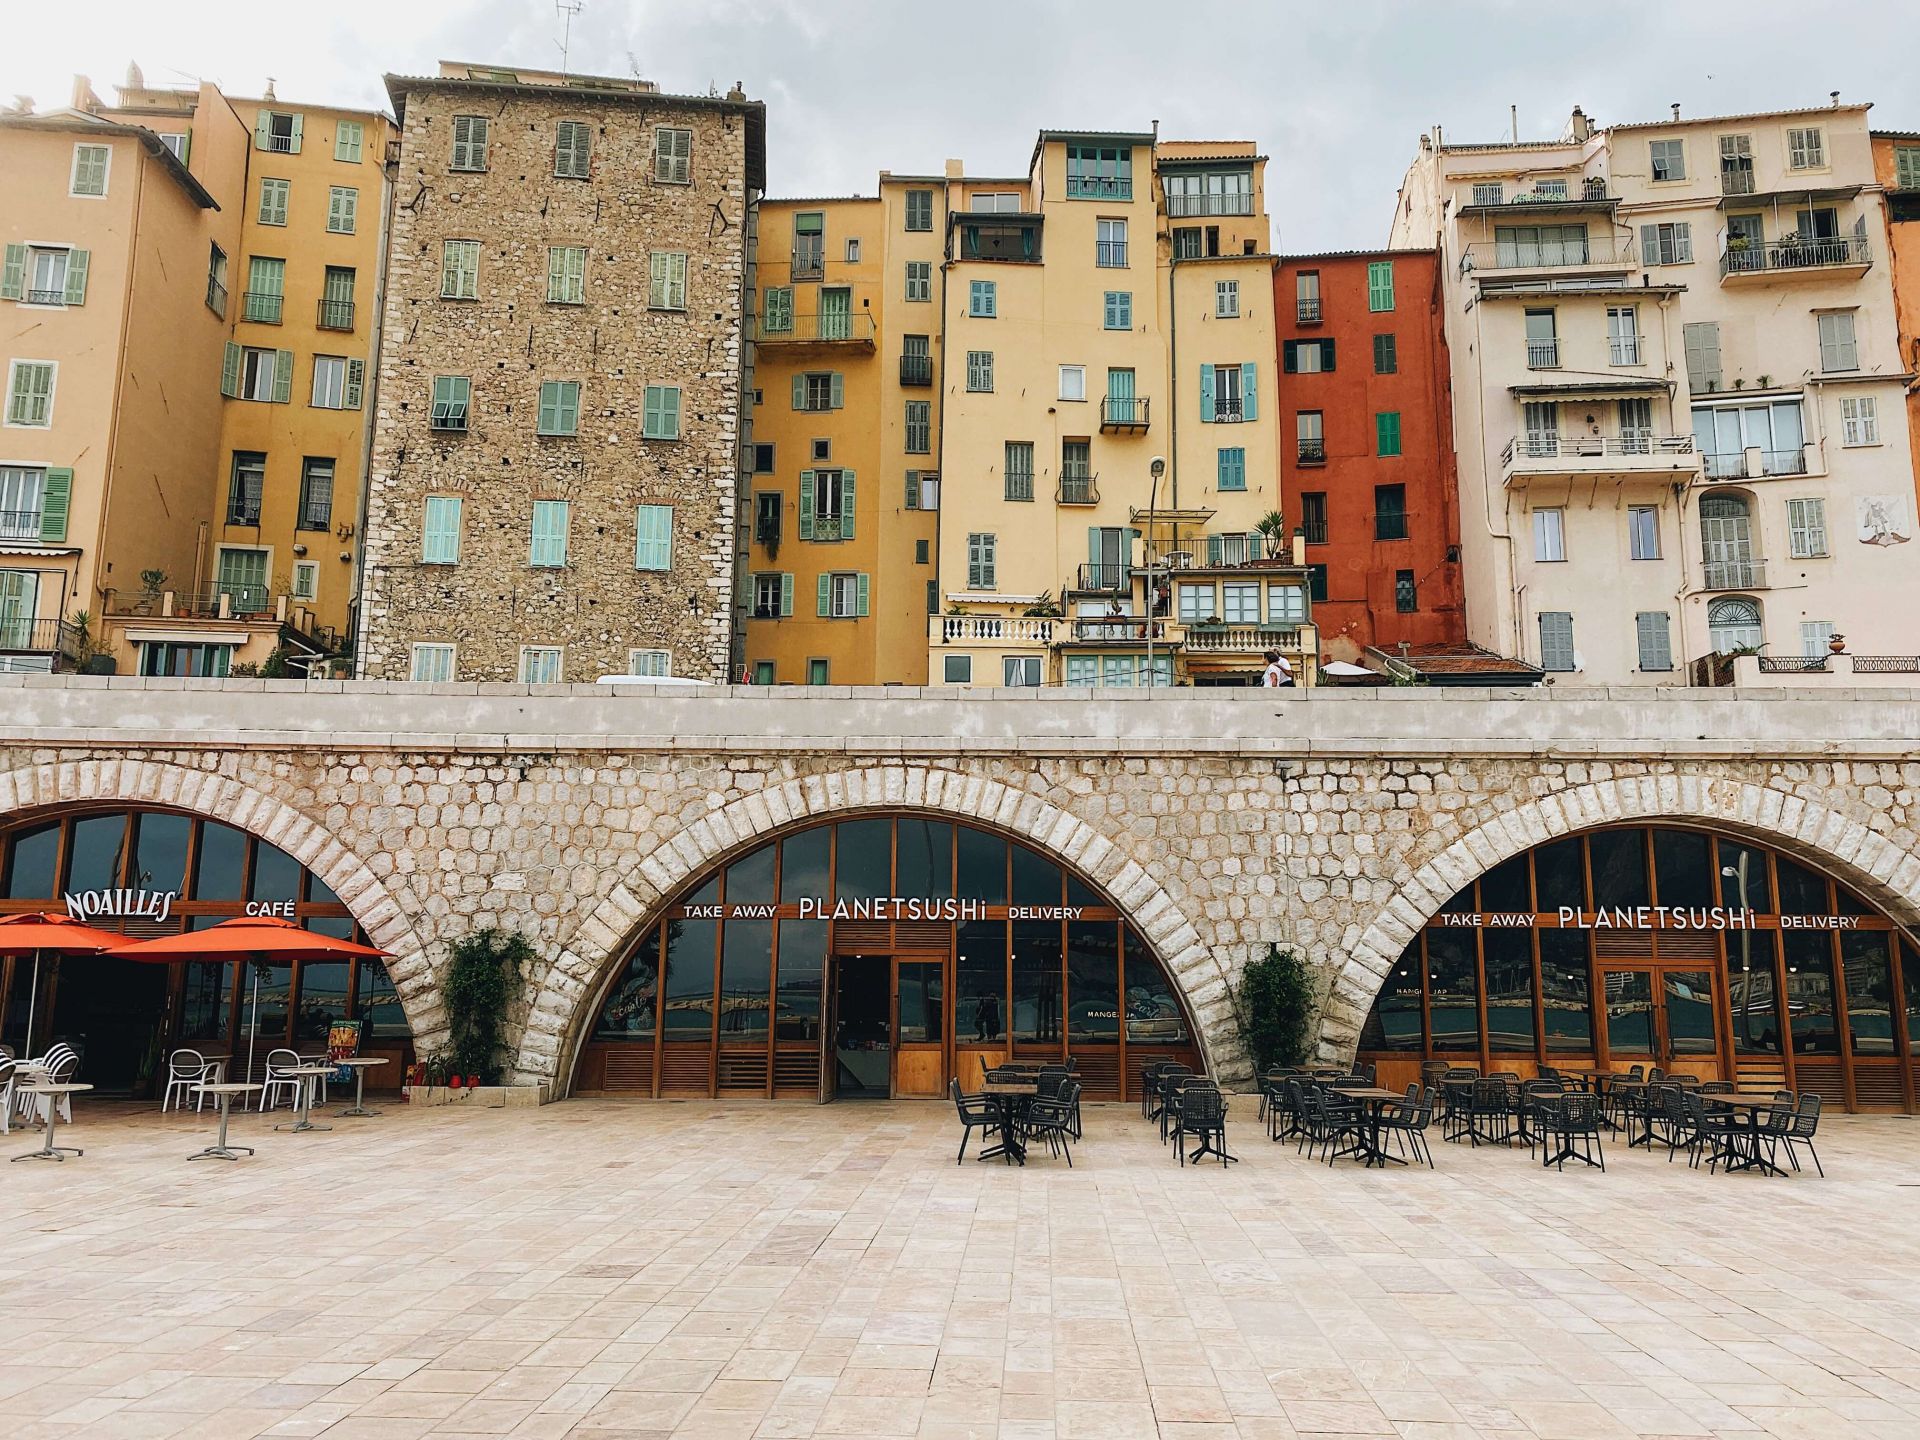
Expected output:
{"points": [[1337, 94]]}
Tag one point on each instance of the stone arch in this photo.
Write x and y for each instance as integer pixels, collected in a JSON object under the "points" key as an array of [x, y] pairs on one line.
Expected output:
{"points": [[215, 796], [1879, 869], [558, 1018]]}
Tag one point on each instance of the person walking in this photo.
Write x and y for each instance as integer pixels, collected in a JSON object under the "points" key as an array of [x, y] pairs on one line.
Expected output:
{"points": [[1278, 672]]}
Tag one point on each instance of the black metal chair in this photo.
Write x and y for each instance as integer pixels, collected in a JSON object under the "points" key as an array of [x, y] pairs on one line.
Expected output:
{"points": [[976, 1113], [1170, 1076], [1799, 1128], [1202, 1114], [1528, 1103], [1489, 1112], [1710, 1129], [1325, 1121], [1269, 1085], [1571, 1124], [1406, 1122], [1051, 1120], [1149, 1086]]}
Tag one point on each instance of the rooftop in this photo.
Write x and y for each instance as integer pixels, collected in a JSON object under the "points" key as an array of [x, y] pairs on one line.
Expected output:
{"points": [[1670, 121]]}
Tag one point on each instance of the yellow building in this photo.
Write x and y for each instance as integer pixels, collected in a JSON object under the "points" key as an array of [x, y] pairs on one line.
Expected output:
{"points": [[1896, 166]]}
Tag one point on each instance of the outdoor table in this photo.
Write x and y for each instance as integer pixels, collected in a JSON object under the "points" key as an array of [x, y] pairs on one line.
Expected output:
{"points": [[1375, 1100], [309, 1076], [224, 1091], [1753, 1159], [1006, 1096], [53, 1092], [359, 1064]]}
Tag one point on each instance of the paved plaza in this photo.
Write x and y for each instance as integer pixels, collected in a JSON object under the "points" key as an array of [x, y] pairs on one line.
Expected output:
{"points": [[741, 1269]]}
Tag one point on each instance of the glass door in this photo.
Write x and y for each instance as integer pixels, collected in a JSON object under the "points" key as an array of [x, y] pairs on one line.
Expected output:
{"points": [[1632, 1031], [920, 1026], [862, 1027], [1663, 1017]]}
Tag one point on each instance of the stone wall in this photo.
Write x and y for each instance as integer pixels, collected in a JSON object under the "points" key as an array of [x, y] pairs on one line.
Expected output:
{"points": [[511, 338], [1218, 821]]}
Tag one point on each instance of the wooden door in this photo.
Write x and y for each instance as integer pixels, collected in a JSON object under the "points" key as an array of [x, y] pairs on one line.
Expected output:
{"points": [[919, 1026]]}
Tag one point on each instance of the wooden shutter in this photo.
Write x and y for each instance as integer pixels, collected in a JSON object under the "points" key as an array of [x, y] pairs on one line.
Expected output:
{"points": [[282, 376], [572, 150], [263, 130], [786, 593], [549, 420], [671, 410], [806, 503], [1250, 386], [351, 396], [1556, 640], [13, 277], [77, 264], [823, 596], [56, 502], [1380, 285], [1386, 425], [343, 204], [860, 595], [1807, 525], [846, 505], [913, 489], [293, 145], [1290, 357], [1656, 648], [1206, 394], [1702, 343], [800, 392], [837, 397], [230, 371], [1649, 244]]}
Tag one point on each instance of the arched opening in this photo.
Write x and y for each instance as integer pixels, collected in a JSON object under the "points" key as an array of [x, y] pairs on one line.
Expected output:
{"points": [[883, 956], [1726, 542], [1682, 947], [145, 872], [1733, 625]]}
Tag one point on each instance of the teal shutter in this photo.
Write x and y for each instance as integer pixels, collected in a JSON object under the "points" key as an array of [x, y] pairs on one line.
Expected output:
{"points": [[293, 146], [1380, 285], [838, 399], [1232, 468], [263, 129], [549, 408], [13, 278], [1206, 394], [799, 392], [1250, 391], [846, 505], [356, 385], [823, 598], [653, 543], [1386, 426], [56, 500], [913, 489], [77, 261], [230, 371], [1213, 550], [282, 376], [786, 593], [806, 504], [860, 587]]}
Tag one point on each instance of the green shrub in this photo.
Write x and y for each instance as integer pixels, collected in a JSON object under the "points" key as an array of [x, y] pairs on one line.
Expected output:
{"points": [[482, 970], [1274, 1005]]}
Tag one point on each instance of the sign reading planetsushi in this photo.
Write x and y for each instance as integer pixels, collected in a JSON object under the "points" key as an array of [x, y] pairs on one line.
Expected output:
{"points": [[1650, 917]]}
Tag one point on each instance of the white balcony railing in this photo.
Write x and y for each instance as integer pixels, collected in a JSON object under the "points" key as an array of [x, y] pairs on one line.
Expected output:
{"points": [[995, 630], [1215, 639]]}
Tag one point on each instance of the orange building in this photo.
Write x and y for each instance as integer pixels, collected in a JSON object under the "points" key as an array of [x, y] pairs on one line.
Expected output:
{"points": [[1896, 165], [1366, 455]]}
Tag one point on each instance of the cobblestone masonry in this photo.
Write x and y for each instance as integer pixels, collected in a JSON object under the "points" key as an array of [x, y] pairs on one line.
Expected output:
{"points": [[1337, 825], [509, 339]]}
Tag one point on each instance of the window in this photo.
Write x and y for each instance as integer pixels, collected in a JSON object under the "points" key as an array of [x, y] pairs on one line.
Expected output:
{"points": [[245, 484], [1386, 432], [1814, 635], [1556, 639], [1019, 670], [956, 670], [1073, 382], [567, 274], [432, 664], [1669, 160], [763, 458], [572, 150], [929, 486], [982, 299], [1489, 192], [1623, 335], [343, 209], [919, 280], [548, 548], [668, 288], [672, 155], [1099, 172], [316, 495], [1229, 393], [1313, 516], [1701, 339], [278, 131], [1117, 310], [178, 142], [1306, 357], [348, 138], [919, 427], [1286, 603], [1240, 602], [336, 298], [777, 314], [253, 373], [1549, 535], [539, 664], [1110, 244], [1187, 243], [655, 664], [217, 281], [266, 290], [661, 420], [1807, 528], [559, 408], [653, 542], [1859, 425], [459, 269], [1310, 445], [1838, 350], [1230, 468], [1906, 167], [1380, 285], [469, 142], [980, 561], [90, 166], [980, 370], [809, 245], [1655, 644], [440, 531], [817, 671], [818, 390], [30, 393], [1317, 583], [1018, 472], [919, 210], [1666, 244], [842, 596], [1389, 512], [1734, 625], [23, 493], [273, 201], [1806, 149], [1406, 592], [1386, 355], [853, 250], [1226, 299], [306, 580], [337, 382], [1198, 604], [452, 401], [1643, 533], [772, 596], [766, 518]]}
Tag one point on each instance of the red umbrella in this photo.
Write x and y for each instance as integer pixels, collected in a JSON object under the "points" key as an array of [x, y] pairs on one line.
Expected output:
{"points": [[62, 934], [261, 936]]}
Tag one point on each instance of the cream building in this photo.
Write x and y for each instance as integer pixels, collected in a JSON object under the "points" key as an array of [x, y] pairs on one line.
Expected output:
{"points": [[1676, 390]]}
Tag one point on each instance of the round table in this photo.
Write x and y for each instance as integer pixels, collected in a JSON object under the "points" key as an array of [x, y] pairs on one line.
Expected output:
{"points": [[225, 1090], [309, 1076], [54, 1094], [359, 1064]]}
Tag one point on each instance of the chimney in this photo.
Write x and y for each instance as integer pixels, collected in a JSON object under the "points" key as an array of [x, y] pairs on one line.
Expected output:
{"points": [[1834, 96], [1582, 130], [1676, 110], [955, 169], [270, 95]]}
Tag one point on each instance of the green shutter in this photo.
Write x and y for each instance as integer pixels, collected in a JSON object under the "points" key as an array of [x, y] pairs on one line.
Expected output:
{"points": [[913, 489], [786, 593], [230, 371], [549, 420], [1250, 391], [293, 146], [1386, 426], [846, 505], [282, 376], [355, 386], [806, 504], [56, 500], [860, 587], [799, 392], [13, 279], [77, 261], [1206, 394], [262, 129], [1289, 357], [839, 397], [1213, 550], [823, 596], [1380, 285], [670, 411]]}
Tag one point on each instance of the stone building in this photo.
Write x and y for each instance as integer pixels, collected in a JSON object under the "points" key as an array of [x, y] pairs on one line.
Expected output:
{"points": [[556, 454]]}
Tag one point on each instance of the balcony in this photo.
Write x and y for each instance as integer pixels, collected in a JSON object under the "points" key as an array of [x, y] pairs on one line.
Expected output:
{"points": [[1307, 312], [1829, 257], [1595, 252], [1755, 464], [1311, 452], [1636, 453], [216, 297], [1114, 630], [993, 630], [1543, 354], [1103, 577], [262, 308], [1123, 414], [1590, 198], [1078, 489], [916, 370], [46, 297], [1623, 350], [1241, 639], [1187, 206], [233, 598], [1733, 575], [810, 264], [1002, 237], [335, 315], [831, 332], [20, 525], [1110, 254], [24, 635]]}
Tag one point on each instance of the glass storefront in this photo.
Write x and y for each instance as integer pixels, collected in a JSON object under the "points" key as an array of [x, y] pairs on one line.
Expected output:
{"points": [[1660, 945]]}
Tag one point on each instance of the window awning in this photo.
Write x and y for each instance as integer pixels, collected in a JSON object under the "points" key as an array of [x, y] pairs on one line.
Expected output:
{"points": [[1592, 389]]}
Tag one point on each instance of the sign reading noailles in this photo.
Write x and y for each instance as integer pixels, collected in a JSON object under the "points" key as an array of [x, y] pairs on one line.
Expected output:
{"points": [[121, 904], [1651, 917]]}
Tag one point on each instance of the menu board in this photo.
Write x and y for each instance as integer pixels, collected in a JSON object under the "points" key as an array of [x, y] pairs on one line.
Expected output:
{"points": [[343, 1043]]}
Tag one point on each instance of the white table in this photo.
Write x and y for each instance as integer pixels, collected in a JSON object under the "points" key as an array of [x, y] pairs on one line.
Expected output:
{"points": [[359, 1064], [54, 1093], [224, 1091], [309, 1076]]}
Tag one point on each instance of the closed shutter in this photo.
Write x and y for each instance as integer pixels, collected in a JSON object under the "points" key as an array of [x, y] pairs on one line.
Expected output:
{"points": [[282, 376], [1702, 343], [799, 392], [860, 590], [1556, 640], [440, 532], [786, 593], [549, 545], [806, 504], [1250, 384], [847, 511], [77, 263], [343, 206], [1656, 647], [837, 392], [56, 501], [1380, 285], [273, 201], [230, 371], [1206, 394], [913, 489], [13, 275], [572, 150], [1232, 469], [1386, 426], [356, 385], [823, 597], [1807, 527], [469, 142], [653, 547]]}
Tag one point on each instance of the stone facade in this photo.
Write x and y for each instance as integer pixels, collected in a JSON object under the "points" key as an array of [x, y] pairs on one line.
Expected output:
{"points": [[1218, 821], [598, 605]]}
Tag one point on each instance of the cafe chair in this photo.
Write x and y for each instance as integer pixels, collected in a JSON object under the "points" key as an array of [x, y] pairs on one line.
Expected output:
{"points": [[60, 1062], [1051, 1120], [281, 1064], [975, 1112], [8, 1071], [1570, 1130], [1709, 1130], [1799, 1128], [1149, 1086], [1202, 1112], [1406, 1121], [186, 1070]]}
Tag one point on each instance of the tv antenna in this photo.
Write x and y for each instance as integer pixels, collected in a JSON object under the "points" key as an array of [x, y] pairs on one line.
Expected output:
{"points": [[566, 10]]}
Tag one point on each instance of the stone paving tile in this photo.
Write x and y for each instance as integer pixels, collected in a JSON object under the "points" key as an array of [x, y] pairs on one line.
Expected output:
{"points": [[733, 1271]]}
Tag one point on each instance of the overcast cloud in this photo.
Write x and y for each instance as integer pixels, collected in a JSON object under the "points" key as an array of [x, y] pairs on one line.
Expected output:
{"points": [[1336, 92]]}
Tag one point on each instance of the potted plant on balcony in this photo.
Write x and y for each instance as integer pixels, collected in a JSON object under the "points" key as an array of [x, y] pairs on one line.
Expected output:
{"points": [[1273, 527]]}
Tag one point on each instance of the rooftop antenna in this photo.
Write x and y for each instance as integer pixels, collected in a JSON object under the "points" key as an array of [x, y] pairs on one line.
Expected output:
{"points": [[566, 10]]}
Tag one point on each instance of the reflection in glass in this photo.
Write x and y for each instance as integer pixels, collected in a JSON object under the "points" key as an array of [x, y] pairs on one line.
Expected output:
{"points": [[1910, 981], [95, 862], [750, 878], [1559, 875], [1036, 980], [379, 1005], [803, 958], [1739, 861], [30, 862], [746, 968], [1809, 960], [926, 859], [1629, 1011], [689, 963], [319, 892], [980, 981], [1093, 981], [1801, 891], [1454, 990], [206, 1000], [1683, 867], [1866, 961], [339, 927], [1508, 958], [983, 867], [220, 867], [1154, 1016], [803, 866], [922, 1013], [1619, 867], [1504, 888], [1753, 990], [1688, 995], [1566, 986], [1394, 1022], [863, 864], [160, 854], [323, 1000], [1080, 893], [1035, 881], [276, 874], [275, 995]]}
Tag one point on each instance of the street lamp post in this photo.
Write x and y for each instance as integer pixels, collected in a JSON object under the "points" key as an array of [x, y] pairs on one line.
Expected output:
{"points": [[1155, 468]]}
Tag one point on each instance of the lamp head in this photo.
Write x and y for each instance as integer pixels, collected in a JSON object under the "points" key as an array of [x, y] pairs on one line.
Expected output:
{"points": [[1157, 466]]}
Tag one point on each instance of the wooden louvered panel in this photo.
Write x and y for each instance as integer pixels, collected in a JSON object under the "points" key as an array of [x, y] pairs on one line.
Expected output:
{"points": [[1877, 1087], [629, 1068], [1623, 944], [796, 1070], [861, 937], [743, 1069], [683, 1069], [1689, 945], [932, 936], [1822, 1078], [1099, 1073], [1760, 1076]]}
